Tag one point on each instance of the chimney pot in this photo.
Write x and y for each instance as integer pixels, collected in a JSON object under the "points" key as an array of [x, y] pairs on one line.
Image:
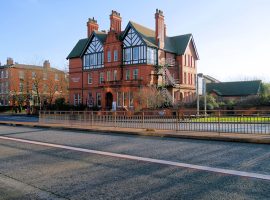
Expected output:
{"points": [[116, 20], [10, 61], [92, 25], [46, 64]]}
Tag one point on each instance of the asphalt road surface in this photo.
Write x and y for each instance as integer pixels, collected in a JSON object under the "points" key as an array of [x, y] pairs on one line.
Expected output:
{"points": [[54, 164]]}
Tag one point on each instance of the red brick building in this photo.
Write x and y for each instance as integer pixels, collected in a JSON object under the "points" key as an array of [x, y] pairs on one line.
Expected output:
{"points": [[22, 84], [110, 68]]}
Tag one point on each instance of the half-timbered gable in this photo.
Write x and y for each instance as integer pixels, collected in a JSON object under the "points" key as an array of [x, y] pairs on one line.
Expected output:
{"points": [[94, 54], [134, 48]]}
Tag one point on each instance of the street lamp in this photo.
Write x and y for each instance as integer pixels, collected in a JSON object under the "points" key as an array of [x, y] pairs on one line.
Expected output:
{"points": [[200, 75], [204, 93]]}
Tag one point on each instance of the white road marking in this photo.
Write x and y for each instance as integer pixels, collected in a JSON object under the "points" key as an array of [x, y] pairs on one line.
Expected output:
{"points": [[137, 158]]}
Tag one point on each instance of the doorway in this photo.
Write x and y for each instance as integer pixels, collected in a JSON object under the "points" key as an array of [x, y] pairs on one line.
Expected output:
{"points": [[109, 100]]}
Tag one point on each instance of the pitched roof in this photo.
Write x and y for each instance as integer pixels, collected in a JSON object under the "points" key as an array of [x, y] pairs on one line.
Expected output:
{"points": [[239, 88], [210, 79], [83, 43], [29, 67], [148, 35], [77, 50], [101, 36], [176, 44]]}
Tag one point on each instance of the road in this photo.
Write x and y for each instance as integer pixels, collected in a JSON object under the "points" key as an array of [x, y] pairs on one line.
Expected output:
{"points": [[55, 164]]}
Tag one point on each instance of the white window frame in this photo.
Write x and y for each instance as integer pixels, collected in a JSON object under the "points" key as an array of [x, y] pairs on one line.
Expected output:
{"points": [[135, 74], [127, 74], [98, 96], [34, 75], [108, 75], [115, 75], [101, 77], [56, 77], [109, 56], [89, 78], [130, 103], [115, 55], [119, 99], [125, 99]]}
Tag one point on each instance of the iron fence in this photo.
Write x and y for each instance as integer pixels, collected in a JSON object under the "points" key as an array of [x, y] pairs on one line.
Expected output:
{"points": [[239, 121]]}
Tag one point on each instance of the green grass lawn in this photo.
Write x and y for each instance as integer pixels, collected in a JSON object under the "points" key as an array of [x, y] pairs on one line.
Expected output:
{"points": [[237, 119]]}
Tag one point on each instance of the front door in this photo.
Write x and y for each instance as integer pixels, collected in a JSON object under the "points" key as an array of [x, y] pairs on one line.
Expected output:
{"points": [[109, 100]]}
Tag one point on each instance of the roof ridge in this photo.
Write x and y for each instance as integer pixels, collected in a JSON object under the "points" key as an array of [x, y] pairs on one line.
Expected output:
{"points": [[100, 32], [238, 81], [190, 34], [132, 22]]}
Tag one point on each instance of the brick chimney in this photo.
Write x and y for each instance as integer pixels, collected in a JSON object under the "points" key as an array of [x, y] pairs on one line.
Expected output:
{"points": [[160, 28], [46, 64], [10, 61], [165, 29], [115, 21], [91, 26]]}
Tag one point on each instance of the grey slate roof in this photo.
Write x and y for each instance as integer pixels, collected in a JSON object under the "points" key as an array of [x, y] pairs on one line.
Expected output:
{"points": [[240, 88], [176, 44], [77, 50]]}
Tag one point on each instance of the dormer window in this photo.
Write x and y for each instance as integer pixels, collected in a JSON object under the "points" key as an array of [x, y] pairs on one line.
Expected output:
{"points": [[134, 49], [94, 55]]}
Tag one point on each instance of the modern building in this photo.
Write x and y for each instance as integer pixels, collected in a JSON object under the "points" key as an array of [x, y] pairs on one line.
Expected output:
{"points": [[109, 69], [238, 90], [22, 84]]}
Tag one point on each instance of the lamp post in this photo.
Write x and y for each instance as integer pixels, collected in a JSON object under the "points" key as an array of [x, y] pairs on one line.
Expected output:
{"points": [[204, 93], [200, 75]]}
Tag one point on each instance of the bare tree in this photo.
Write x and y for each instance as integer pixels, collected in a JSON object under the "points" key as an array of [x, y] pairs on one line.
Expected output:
{"points": [[149, 97]]}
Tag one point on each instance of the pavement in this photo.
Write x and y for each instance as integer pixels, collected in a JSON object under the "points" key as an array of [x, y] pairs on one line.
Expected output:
{"points": [[230, 137]]}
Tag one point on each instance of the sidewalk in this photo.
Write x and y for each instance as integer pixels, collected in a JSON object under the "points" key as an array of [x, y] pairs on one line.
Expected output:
{"points": [[230, 137]]}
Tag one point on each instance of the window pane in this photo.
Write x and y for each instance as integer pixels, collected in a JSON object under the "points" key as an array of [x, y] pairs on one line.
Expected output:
{"points": [[108, 75], [119, 99], [115, 55], [109, 56], [127, 74], [135, 53], [101, 77], [131, 102], [115, 75], [135, 74], [98, 99], [89, 78]]}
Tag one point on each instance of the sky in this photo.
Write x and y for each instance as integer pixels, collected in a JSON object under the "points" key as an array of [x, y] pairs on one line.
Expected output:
{"points": [[232, 36]]}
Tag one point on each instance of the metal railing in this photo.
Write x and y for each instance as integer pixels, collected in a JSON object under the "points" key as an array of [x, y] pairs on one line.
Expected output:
{"points": [[217, 121]]}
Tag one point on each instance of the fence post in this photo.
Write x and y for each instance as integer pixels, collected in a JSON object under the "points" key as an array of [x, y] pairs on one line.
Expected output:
{"points": [[115, 119], [142, 119], [219, 122], [92, 118], [177, 120]]}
